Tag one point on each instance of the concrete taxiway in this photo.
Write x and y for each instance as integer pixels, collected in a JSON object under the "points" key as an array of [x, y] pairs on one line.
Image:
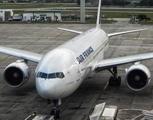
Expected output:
{"points": [[18, 103]]}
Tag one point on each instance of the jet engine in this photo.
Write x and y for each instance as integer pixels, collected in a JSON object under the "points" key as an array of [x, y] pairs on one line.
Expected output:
{"points": [[137, 77], [16, 74]]}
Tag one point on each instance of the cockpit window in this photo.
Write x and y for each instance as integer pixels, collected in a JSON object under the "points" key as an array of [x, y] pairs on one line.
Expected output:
{"points": [[59, 75], [42, 75], [51, 75]]}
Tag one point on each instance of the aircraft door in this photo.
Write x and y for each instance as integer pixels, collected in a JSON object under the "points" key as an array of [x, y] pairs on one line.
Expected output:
{"points": [[73, 74], [78, 73], [70, 74]]}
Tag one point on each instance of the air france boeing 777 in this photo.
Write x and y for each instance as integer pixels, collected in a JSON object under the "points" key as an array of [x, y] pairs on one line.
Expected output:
{"points": [[62, 70]]}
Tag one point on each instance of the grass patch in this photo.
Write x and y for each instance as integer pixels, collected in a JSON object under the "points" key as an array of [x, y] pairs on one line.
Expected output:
{"points": [[102, 22], [63, 22], [18, 11], [108, 21], [146, 22], [130, 10], [142, 22], [35, 5], [117, 15]]}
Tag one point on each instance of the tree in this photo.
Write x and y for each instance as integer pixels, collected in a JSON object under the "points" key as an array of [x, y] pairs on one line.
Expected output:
{"points": [[144, 2], [106, 2], [127, 3], [78, 1], [120, 2], [142, 16], [150, 2], [114, 2]]}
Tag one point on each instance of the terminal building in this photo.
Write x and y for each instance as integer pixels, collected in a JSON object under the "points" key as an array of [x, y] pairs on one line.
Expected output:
{"points": [[42, 15], [5, 14]]}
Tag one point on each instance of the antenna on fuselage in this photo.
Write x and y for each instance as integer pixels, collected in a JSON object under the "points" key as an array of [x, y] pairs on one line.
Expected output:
{"points": [[99, 14]]}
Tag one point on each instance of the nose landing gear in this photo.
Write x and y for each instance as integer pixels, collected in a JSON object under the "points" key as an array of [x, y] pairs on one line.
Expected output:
{"points": [[55, 111]]}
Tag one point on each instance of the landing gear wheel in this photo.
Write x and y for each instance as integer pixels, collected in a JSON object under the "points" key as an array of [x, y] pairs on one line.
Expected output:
{"points": [[52, 112], [55, 112], [111, 79], [118, 82], [114, 80]]}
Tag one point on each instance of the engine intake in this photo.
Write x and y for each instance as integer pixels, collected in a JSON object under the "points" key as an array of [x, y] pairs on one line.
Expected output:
{"points": [[16, 74], [137, 77]]}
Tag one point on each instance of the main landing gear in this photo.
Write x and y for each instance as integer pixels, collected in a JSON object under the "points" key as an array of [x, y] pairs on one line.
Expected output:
{"points": [[114, 80], [55, 111]]}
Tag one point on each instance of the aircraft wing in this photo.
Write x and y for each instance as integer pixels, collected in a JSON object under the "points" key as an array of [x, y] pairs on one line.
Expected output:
{"points": [[74, 31], [124, 32], [112, 62], [31, 56]]}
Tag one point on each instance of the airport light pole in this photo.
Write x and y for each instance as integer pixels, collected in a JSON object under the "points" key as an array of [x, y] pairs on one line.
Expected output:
{"points": [[82, 11]]}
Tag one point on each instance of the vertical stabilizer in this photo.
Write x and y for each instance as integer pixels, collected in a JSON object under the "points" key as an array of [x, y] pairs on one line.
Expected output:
{"points": [[99, 14]]}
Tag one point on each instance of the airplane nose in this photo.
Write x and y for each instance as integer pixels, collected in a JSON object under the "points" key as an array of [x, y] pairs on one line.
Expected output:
{"points": [[45, 88]]}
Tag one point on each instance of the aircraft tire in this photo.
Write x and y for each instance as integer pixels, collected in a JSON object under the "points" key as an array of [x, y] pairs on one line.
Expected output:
{"points": [[118, 81], [111, 80], [57, 114], [52, 112]]}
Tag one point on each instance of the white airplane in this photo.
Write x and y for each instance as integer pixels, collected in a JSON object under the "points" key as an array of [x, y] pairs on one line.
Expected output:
{"points": [[62, 70]]}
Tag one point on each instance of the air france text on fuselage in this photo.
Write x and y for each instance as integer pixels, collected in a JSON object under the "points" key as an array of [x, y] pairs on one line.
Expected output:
{"points": [[84, 55]]}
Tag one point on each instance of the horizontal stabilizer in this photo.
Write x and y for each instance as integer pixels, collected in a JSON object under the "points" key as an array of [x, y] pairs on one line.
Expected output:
{"points": [[74, 31], [125, 32]]}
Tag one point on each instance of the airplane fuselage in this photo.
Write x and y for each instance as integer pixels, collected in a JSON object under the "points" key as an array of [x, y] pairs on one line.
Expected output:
{"points": [[61, 71]]}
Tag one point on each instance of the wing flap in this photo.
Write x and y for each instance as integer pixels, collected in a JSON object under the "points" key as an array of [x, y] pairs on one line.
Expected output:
{"points": [[125, 32], [31, 56], [109, 63]]}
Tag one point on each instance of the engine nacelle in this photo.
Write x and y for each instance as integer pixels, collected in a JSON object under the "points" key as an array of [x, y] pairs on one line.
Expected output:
{"points": [[16, 74], [137, 77]]}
